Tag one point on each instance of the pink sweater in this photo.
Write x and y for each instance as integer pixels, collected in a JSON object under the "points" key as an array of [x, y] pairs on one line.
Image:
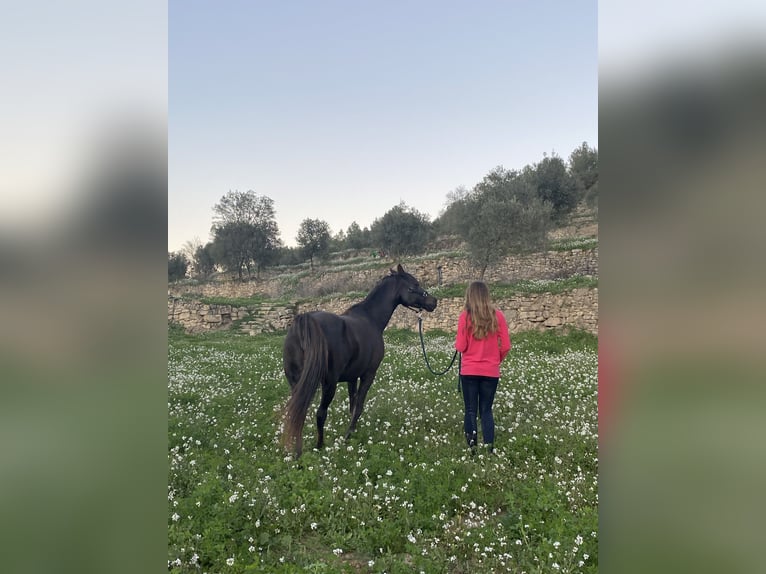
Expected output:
{"points": [[482, 357]]}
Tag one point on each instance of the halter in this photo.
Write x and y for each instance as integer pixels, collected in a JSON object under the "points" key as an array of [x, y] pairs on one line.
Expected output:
{"points": [[418, 310]]}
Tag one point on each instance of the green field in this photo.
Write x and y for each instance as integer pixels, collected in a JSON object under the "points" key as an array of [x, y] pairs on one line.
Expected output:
{"points": [[403, 495]]}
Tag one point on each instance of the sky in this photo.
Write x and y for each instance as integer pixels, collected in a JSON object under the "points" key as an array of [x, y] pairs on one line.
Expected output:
{"points": [[635, 42], [74, 79], [336, 110], [340, 110]]}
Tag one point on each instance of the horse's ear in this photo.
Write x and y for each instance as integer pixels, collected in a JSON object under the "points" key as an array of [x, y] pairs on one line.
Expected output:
{"points": [[400, 269], [391, 271]]}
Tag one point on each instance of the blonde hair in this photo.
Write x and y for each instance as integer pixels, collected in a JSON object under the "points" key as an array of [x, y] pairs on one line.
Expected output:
{"points": [[480, 309]]}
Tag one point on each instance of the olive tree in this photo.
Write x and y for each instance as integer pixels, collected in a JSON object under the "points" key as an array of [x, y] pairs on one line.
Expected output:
{"points": [[503, 214], [314, 238]]}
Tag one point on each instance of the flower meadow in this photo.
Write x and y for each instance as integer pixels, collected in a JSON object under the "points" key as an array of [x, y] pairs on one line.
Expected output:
{"points": [[404, 494]]}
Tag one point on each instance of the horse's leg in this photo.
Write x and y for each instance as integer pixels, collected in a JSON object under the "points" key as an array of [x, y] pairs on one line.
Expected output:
{"points": [[351, 396], [364, 385], [328, 392]]}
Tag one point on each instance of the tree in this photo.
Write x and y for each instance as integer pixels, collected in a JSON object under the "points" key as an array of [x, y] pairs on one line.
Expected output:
{"points": [[554, 184], [451, 217], [356, 237], [314, 238], [401, 231], [177, 266], [288, 256], [583, 166], [245, 232], [231, 247], [204, 261], [338, 241], [189, 248], [503, 214]]}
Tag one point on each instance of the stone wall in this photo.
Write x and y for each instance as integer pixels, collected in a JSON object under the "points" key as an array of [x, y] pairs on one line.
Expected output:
{"points": [[577, 308], [432, 272], [196, 316]]}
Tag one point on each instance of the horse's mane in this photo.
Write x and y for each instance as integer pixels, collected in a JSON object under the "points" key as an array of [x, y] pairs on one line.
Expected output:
{"points": [[369, 296]]}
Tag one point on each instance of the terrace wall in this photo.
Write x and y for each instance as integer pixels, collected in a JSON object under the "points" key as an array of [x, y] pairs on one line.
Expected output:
{"points": [[432, 272], [577, 308]]}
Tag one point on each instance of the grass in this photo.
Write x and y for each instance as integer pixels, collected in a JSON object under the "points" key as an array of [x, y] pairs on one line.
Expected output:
{"points": [[574, 243], [526, 286], [498, 290], [252, 301], [402, 495]]}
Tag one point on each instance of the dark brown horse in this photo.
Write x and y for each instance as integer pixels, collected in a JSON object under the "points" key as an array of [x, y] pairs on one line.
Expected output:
{"points": [[326, 348]]}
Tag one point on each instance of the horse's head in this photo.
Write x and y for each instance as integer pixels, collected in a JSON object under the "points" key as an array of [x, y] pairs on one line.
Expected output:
{"points": [[410, 293]]}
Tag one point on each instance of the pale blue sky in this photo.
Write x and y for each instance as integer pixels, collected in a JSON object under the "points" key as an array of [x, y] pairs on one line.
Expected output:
{"points": [[340, 109]]}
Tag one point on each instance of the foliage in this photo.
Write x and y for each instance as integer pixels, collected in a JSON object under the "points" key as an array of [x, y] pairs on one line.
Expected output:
{"points": [[204, 260], [403, 495], [557, 342], [451, 218], [189, 249], [231, 247], [507, 290], [574, 243], [583, 165], [554, 185], [401, 231], [337, 242], [178, 264], [503, 214], [176, 330], [314, 238], [358, 238], [245, 232], [288, 257], [252, 301]]}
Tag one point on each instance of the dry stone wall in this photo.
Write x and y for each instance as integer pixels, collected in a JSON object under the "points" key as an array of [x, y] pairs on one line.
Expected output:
{"points": [[432, 272], [196, 316], [577, 308]]}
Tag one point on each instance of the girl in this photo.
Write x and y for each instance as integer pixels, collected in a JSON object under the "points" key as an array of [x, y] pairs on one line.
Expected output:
{"points": [[482, 338]]}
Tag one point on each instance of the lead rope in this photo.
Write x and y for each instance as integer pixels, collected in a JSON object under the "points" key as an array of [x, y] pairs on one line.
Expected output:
{"points": [[425, 356]]}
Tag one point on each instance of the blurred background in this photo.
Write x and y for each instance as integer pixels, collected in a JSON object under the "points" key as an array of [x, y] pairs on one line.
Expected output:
{"points": [[83, 158], [682, 124], [83, 286]]}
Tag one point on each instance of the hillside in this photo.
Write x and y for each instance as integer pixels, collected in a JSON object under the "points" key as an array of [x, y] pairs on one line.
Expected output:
{"points": [[548, 289], [356, 271]]}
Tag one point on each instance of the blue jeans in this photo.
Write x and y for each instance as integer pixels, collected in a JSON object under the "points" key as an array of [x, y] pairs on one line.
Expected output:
{"points": [[478, 396]]}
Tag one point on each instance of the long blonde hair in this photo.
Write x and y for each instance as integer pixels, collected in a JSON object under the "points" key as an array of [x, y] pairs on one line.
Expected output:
{"points": [[480, 309]]}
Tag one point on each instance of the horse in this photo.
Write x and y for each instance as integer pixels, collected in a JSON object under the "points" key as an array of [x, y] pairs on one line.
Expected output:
{"points": [[326, 348]]}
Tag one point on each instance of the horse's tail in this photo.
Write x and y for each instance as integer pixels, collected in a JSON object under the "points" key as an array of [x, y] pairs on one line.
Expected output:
{"points": [[313, 344]]}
